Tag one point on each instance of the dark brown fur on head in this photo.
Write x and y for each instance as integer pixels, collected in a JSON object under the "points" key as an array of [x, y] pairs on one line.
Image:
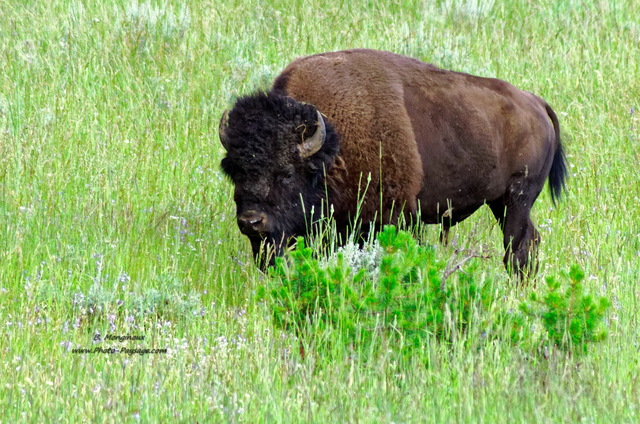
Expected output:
{"points": [[263, 134]]}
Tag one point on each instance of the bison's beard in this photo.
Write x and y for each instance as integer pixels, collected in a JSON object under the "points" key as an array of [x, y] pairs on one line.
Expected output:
{"points": [[266, 249], [268, 246]]}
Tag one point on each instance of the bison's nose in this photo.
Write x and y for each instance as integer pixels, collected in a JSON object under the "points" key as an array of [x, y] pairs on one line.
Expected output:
{"points": [[252, 222]]}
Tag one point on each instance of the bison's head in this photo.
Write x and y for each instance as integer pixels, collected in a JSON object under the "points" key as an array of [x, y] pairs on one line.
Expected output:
{"points": [[278, 153]]}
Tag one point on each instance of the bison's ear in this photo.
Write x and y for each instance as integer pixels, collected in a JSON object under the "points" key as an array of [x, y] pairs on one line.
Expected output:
{"points": [[222, 130], [311, 145]]}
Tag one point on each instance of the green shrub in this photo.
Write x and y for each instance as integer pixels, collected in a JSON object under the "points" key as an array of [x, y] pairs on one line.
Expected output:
{"points": [[572, 318], [411, 299], [406, 302]]}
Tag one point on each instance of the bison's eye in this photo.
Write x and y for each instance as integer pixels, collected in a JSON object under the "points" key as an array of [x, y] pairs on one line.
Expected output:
{"points": [[287, 176]]}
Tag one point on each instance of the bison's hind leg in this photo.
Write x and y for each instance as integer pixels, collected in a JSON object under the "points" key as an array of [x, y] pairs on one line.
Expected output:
{"points": [[521, 238]]}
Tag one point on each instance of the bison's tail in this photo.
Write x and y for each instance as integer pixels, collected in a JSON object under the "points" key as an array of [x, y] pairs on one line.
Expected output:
{"points": [[558, 172]]}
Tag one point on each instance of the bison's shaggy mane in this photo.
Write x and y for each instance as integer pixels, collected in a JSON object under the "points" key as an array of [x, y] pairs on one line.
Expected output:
{"points": [[261, 125]]}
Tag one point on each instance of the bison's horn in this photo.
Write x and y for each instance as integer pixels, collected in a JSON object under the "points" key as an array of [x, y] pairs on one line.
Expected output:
{"points": [[311, 145], [222, 130]]}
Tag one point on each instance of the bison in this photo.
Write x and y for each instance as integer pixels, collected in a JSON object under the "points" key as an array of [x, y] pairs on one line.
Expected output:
{"points": [[391, 136]]}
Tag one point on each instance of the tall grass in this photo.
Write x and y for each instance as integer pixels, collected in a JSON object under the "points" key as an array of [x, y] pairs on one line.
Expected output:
{"points": [[115, 218]]}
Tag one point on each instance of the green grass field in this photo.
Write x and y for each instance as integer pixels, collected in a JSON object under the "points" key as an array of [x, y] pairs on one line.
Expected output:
{"points": [[115, 218]]}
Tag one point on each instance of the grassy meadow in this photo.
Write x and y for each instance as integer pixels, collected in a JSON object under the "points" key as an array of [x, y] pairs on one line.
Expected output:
{"points": [[115, 218]]}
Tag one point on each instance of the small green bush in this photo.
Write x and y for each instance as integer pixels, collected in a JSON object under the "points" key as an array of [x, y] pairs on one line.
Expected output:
{"points": [[302, 288], [406, 302], [412, 299], [572, 318]]}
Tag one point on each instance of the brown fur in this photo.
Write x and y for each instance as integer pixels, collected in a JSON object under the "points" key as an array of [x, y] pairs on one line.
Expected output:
{"points": [[375, 131]]}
